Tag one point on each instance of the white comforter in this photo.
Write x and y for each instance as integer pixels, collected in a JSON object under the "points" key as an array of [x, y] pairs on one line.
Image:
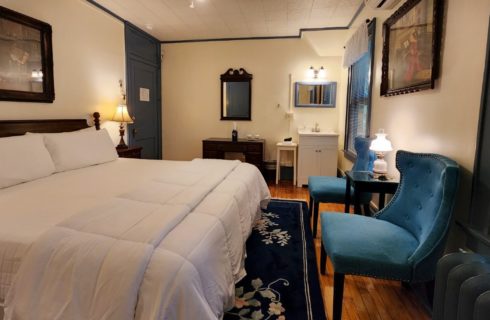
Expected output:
{"points": [[171, 248]]}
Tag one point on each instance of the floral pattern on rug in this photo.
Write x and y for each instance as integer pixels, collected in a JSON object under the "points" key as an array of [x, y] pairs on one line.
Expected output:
{"points": [[264, 226], [250, 305]]}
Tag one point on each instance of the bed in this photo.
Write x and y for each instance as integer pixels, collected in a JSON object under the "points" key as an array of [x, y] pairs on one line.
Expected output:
{"points": [[126, 239]]}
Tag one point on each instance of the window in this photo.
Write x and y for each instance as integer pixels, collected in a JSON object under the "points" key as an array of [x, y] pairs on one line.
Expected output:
{"points": [[358, 111]]}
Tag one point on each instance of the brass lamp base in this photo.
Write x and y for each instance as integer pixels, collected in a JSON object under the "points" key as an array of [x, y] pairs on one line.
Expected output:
{"points": [[122, 144]]}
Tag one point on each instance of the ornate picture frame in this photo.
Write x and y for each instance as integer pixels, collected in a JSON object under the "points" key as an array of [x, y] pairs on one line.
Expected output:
{"points": [[411, 47], [26, 58]]}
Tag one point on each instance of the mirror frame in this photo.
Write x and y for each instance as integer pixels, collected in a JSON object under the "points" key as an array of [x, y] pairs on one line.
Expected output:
{"points": [[315, 105], [240, 75]]}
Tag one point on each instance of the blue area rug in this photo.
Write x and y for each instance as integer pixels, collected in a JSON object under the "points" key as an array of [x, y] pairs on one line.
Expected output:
{"points": [[282, 279]]}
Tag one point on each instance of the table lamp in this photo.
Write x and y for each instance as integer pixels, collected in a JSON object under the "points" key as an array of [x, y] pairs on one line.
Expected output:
{"points": [[122, 116], [380, 145]]}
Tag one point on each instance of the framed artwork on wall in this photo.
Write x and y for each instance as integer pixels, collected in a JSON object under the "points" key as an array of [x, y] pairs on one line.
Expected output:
{"points": [[26, 58], [411, 47]]}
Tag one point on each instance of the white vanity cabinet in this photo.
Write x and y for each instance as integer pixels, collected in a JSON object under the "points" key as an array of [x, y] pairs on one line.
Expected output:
{"points": [[317, 155]]}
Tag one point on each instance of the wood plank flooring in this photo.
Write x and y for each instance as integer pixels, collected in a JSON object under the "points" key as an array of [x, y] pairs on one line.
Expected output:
{"points": [[364, 298]]}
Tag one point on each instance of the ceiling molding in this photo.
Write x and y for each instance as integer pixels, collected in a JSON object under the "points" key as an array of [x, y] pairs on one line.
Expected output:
{"points": [[101, 7], [358, 12], [257, 38]]}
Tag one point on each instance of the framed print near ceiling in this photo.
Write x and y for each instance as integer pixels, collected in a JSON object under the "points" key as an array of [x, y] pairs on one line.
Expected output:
{"points": [[411, 47], [26, 58]]}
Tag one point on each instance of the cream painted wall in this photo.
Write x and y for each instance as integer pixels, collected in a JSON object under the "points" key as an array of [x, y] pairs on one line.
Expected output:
{"points": [[327, 43], [191, 91], [443, 120], [88, 54]]}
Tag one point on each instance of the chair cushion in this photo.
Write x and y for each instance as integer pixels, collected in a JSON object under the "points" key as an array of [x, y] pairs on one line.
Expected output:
{"points": [[331, 190], [367, 246]]}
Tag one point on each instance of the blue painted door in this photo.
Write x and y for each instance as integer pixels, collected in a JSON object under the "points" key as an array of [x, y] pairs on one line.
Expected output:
{"points": [[143, 65]]}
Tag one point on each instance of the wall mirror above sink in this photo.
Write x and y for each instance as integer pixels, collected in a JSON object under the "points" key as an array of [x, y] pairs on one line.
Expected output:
{"points": [[236, 95], [315, 94]]}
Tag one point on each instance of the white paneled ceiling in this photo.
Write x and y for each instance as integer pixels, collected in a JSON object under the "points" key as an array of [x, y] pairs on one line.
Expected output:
{"points": [[171, 20]]}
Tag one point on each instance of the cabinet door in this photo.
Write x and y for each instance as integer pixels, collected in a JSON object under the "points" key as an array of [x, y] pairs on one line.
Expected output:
{"points": [[308, 163], [327, 158]]}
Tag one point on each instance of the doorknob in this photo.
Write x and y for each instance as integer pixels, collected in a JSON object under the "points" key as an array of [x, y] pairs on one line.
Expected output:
{"points": [[134, 132]]}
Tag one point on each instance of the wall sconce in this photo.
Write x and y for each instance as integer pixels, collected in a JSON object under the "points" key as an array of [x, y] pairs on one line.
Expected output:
{"points": [[315, 74]]}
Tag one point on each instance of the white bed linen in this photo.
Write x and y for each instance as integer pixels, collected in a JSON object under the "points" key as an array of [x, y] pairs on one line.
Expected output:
{"points": [[200, 253]]}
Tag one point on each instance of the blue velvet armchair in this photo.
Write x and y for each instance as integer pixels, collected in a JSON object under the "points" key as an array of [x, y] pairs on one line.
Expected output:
{"points": [[332, 189], [405, 239]]}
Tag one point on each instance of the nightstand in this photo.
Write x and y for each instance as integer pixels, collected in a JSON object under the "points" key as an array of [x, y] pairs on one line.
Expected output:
{"points": [[131, 152], [285, 146]]}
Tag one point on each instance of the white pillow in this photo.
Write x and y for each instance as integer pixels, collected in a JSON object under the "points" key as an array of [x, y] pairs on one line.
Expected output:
{"points": [[79, 149], [22, 159], [81, 130], [92, 128]]}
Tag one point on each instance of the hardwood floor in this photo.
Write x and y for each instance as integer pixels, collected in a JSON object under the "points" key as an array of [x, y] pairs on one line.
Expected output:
{"points": [[364, 298]]}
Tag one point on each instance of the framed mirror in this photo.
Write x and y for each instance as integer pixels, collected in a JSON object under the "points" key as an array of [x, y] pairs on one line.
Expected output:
{"points": [[315, 94], [26, 58], [236, 95]]}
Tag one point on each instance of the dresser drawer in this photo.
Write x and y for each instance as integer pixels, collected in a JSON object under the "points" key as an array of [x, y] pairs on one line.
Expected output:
{"points": [[218, 148], [255, 158], [231, 147], [210, 154], [255, 147], [206, 145]]}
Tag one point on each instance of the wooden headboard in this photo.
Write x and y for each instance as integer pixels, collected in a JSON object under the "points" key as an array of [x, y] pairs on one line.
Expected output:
{"points": [[10, 128]]}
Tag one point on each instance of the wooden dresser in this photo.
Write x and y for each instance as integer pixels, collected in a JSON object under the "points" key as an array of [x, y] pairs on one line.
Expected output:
{"points": [[252, 150]]}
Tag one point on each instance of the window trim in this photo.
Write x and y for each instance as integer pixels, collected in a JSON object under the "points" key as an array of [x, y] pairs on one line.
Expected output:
{"points": [[476, 224], [348, 154]]}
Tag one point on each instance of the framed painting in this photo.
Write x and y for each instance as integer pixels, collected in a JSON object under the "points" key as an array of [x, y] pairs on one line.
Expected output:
{"points": [[411, 47], [26, 58]]}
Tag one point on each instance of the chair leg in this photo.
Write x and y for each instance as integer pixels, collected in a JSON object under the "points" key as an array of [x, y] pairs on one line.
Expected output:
{"points": [[338, 295], [315, 218], [367, 210], [310, 207], [357, 209], [323, 260]]}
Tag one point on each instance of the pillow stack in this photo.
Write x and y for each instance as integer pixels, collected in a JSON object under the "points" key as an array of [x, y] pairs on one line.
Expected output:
{"points": [[33, 156]]}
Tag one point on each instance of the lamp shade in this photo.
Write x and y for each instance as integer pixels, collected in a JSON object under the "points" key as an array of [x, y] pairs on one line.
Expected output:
{"points": [[122, 115], [381, 144]]}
